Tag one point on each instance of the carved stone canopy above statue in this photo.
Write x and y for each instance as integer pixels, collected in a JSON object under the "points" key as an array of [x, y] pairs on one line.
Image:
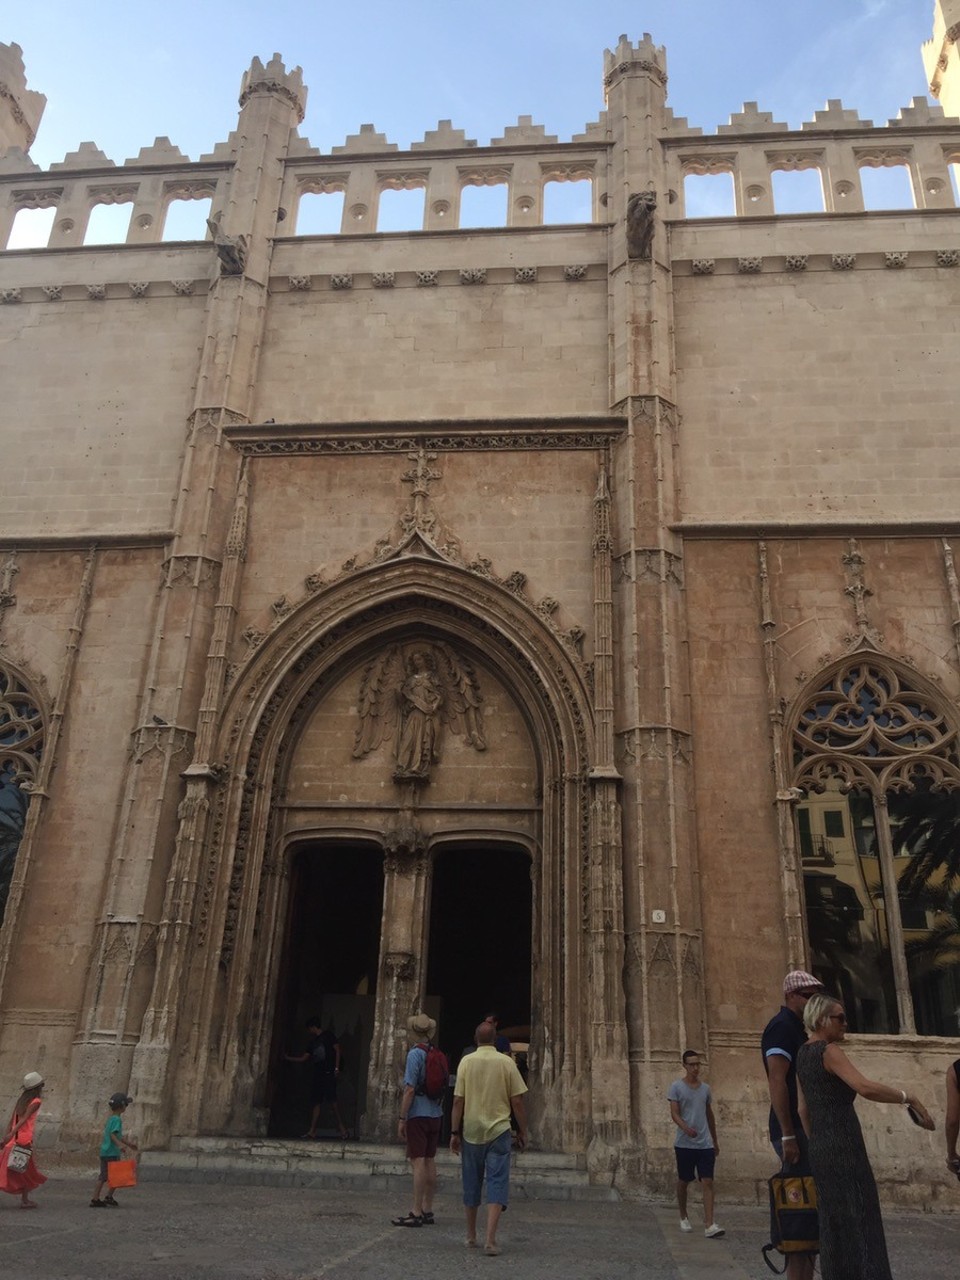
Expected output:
{"points": [[410, 694]]}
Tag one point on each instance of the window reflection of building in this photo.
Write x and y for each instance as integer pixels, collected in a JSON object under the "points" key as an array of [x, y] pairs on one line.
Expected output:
{"points": [[878, 831]]}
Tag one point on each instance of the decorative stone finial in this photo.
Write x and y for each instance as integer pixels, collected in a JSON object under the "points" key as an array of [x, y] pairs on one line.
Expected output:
{"points": [[20, 108], [274, 78]]}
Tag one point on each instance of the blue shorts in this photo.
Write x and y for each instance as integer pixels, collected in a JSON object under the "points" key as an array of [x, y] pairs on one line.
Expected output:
{"points": [[490, 1159], [694, 1162], [104, 1162]]}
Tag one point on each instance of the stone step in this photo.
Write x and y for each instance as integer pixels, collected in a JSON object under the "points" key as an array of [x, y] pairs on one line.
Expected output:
{"points": [[536, 1175]]}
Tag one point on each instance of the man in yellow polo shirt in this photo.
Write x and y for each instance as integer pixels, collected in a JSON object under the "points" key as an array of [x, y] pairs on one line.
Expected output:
{"points": [[488, 1085]]}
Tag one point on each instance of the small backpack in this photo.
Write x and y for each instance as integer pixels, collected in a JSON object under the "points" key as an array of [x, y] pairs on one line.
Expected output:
{"points": [[436, 1072]]}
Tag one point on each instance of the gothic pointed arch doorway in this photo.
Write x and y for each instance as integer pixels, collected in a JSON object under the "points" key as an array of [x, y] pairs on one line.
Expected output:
{"points": [[480, 941]]}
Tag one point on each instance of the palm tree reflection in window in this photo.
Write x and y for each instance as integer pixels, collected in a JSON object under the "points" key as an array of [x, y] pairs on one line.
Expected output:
{"points": [[880, 819]]}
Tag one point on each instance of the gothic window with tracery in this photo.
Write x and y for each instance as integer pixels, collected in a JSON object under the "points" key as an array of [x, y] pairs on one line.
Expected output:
{"points": [[21, 745], [878, 830]]}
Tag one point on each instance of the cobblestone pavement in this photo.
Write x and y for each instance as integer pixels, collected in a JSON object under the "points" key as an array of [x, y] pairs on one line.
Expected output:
{"points": [[218, 1232]]}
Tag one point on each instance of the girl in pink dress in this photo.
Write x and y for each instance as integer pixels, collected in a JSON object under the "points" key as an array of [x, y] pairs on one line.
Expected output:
{"points": [[20, 1133]]}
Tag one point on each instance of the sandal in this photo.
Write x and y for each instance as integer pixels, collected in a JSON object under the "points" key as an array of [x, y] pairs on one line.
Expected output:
{"points": [[428, 1218], [408, 1220]]}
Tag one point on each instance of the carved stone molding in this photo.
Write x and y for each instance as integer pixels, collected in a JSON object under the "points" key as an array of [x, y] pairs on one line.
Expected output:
{"points": [[427, 279], [843, 261], [473, 275], [138, 288], [384, 279], [749, 266], [52, 292], [299, 284], [703, 266], [525, 275], [184, 288], [655, 563], [10, 295], [518, 437], [653, 742], [575, 272], [96, 292], [197, 571], [214, 417], [342, 281], [948, 257], [795, 262], [164, 739], [895, 260]]}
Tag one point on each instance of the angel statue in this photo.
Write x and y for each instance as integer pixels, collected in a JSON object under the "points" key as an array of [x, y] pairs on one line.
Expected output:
{"points": [[412, 696]]}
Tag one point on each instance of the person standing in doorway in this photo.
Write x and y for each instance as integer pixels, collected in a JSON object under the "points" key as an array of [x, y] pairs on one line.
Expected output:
{"points": [[419, 1125], [488, 1087], [779, 1045], [323, 1054], [952, 1123], [695, 1146]]}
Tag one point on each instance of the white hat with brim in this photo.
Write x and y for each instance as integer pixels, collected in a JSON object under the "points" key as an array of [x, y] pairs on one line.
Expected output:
{"points": [[421, 1027], [32, 1080]]}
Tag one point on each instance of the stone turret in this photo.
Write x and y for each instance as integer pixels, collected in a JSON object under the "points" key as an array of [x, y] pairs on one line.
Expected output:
{"points": [[20, 108], [941, 56]]}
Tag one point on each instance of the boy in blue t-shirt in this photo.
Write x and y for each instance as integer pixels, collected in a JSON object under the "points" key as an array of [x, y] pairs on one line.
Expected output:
{"points": [[110, 1148]]}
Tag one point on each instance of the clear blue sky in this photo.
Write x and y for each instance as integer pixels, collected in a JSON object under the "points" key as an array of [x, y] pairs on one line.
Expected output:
{"points": [[119, 73]]}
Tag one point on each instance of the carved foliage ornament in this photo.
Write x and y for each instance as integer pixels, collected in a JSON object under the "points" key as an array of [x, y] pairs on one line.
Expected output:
{"points": [[410, 696], [866, 726]]}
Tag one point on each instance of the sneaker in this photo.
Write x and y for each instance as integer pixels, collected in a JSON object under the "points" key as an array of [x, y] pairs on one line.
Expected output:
{"points": [[97, 1204], [685, 1224], [713, 1232], [110, 1202]]}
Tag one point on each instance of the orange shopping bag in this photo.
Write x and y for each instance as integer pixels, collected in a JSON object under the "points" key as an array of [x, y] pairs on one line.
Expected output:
{"points": [[121, 1173]]}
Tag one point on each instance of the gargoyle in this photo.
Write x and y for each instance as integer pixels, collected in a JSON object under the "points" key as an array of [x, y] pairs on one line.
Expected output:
{"points": [[231, 250], [641, 224]]}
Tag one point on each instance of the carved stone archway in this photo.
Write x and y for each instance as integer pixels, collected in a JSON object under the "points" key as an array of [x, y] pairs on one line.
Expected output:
{"points": [[241, 873]]}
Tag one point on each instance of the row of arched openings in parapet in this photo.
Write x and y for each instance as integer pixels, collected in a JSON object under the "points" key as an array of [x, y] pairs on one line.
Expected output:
{"points": [[478, 940]]}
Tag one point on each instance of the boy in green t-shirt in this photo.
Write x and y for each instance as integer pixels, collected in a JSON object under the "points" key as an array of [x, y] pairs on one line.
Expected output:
{"points": [[113, 1140]]}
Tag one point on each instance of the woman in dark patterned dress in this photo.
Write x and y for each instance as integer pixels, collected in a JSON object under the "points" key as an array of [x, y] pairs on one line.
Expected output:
{"points": [[852, 1244]]}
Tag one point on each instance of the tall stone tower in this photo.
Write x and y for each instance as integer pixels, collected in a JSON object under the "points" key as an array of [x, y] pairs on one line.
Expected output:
{"points": [[20, 108], [941, 57]]}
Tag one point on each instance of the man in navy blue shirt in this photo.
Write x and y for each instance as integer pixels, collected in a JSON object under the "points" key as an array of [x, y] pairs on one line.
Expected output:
{"points": [[782, 1038]]}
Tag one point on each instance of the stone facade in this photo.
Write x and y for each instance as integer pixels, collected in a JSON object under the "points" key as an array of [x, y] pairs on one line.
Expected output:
{"points": [[530, 542]]}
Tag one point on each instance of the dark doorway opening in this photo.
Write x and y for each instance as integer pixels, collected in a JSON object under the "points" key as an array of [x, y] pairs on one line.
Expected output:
{"points": [[480, 942], [329, 969]]}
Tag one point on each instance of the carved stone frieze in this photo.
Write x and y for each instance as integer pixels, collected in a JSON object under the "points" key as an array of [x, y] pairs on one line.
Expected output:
{"points": [[384, 279], [10, 295], [948, 257], [138, 288], [96, 292], [843, 261], [214, 417], [343, 280], [795, 262], [575, 272], [252, 637], [299, 284], [405, 846], [473, 275], [653, 742], [749, 266], [517, 440], [703, 266], [650, 563], [182, 287], [52, 292], [895, 260], [525, 275]]}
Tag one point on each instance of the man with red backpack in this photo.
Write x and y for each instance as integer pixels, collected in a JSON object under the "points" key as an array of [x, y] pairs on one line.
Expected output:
{"points": [[421, 1108]]}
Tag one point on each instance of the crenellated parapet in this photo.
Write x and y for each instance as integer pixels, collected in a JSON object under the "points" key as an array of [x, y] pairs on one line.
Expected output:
{"points": [[275, 79], [637, 127]]}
